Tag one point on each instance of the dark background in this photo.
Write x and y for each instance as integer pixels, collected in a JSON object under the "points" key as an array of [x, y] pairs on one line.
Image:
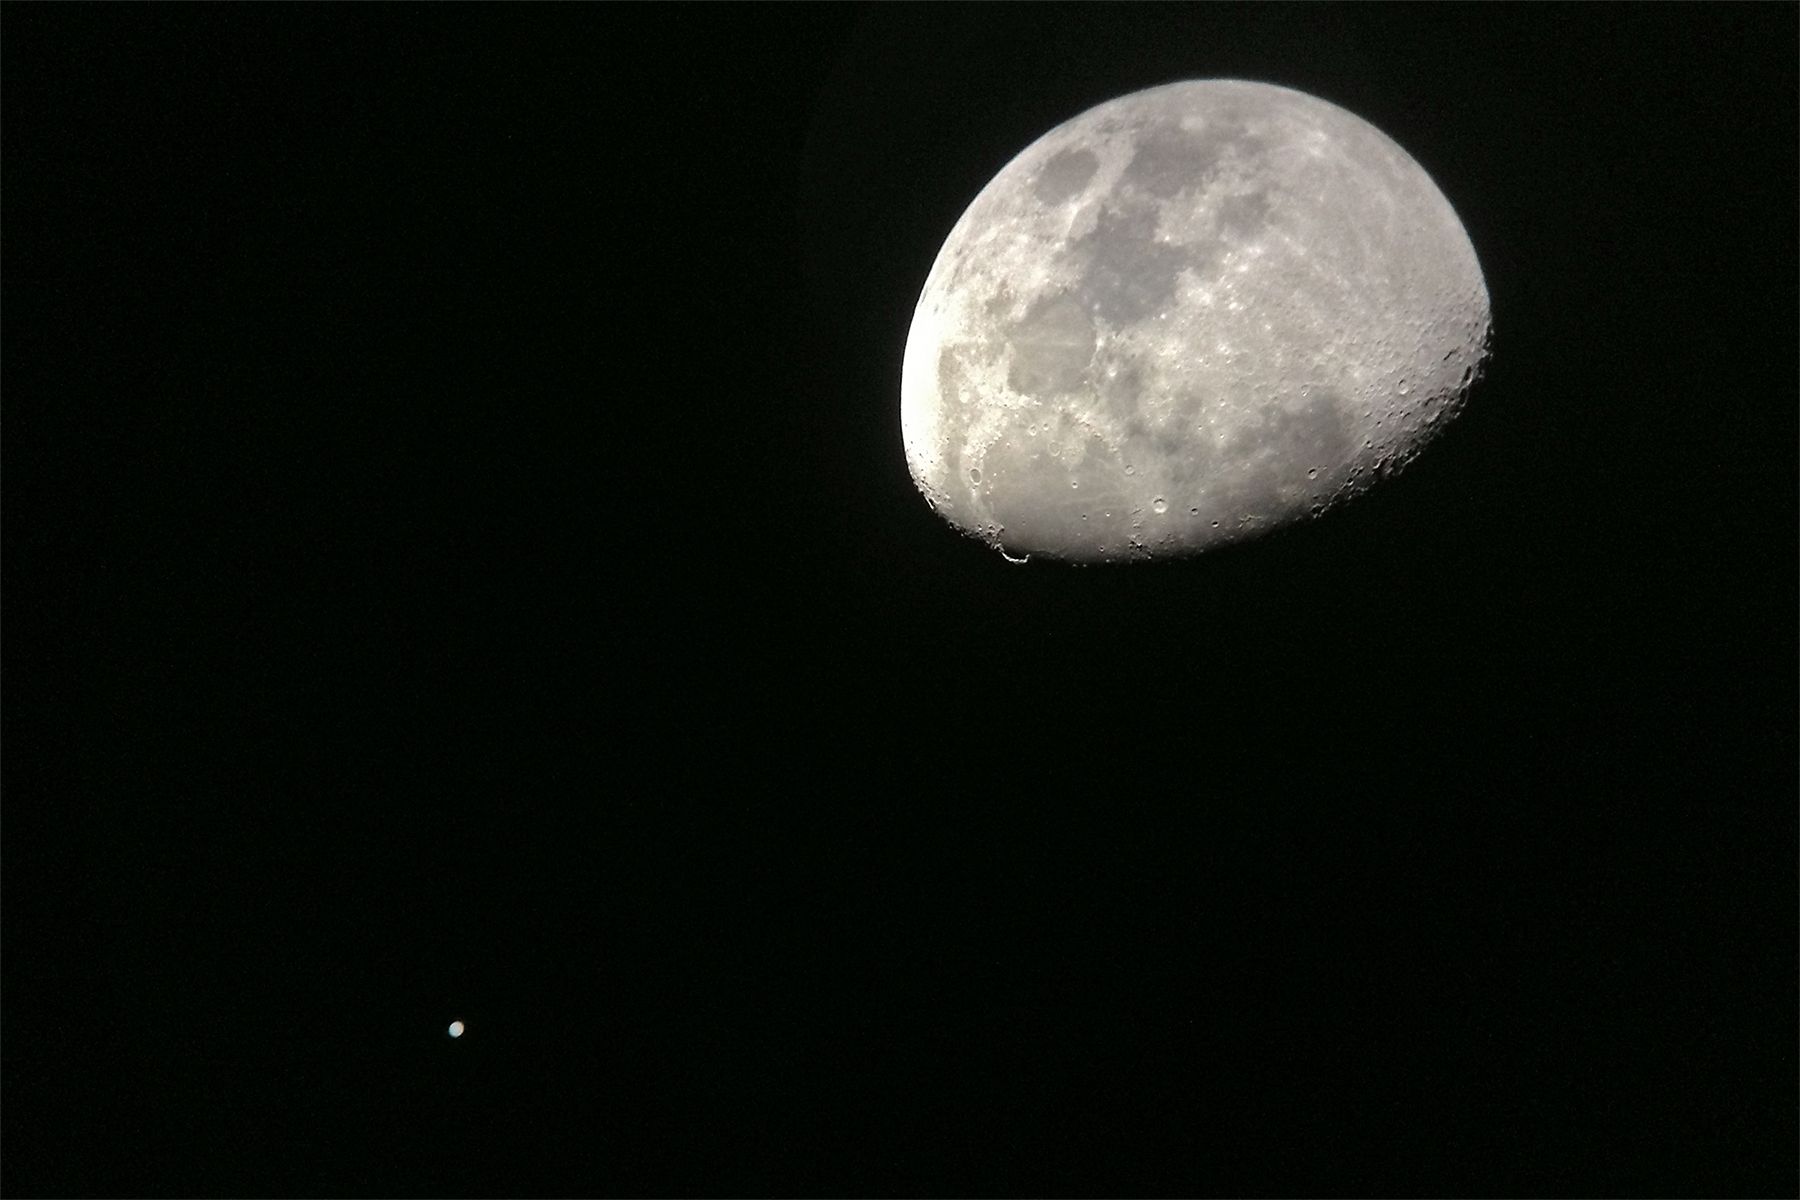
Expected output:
{"points": [[460, 563]]}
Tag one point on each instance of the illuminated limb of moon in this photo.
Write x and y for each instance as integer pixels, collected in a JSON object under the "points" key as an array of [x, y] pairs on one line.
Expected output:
{"points": [[1183, 318]]}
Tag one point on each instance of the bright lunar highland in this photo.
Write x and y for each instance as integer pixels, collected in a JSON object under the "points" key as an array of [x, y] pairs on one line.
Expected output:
{"points": [[1184, 318]]}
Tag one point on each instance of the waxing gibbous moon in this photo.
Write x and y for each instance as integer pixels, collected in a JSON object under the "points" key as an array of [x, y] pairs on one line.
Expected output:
{"points": [[1184, 318]]}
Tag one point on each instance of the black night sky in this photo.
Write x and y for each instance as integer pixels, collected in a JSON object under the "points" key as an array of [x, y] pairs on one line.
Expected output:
{"points": [[459, 563]]}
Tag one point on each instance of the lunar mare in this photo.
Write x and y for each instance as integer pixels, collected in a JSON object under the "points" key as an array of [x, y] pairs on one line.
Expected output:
{"points": [[1184, 318]]}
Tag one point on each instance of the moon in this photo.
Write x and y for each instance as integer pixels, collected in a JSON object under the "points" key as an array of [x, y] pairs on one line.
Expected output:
{"points": [[1182, 319]]}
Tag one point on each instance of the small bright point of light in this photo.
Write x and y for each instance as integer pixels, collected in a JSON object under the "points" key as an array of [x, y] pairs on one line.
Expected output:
{"points": [[456, 1029]]}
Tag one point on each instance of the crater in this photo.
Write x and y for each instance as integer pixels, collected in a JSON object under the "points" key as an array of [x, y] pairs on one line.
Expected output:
{"points": [[956, 407]]}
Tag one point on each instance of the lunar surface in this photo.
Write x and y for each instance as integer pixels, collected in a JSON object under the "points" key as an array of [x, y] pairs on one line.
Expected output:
{"points": [[1184, 318]]}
